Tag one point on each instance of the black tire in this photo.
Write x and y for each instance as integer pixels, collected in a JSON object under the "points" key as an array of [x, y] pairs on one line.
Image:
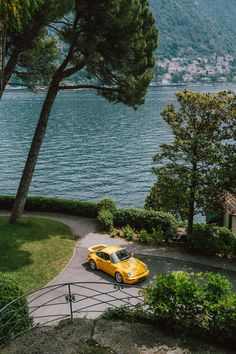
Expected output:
{"points": [[92, 264], [118, 278]]}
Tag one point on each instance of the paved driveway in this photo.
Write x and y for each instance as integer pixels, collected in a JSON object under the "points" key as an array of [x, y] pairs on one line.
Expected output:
{"points": [[95, 289]]}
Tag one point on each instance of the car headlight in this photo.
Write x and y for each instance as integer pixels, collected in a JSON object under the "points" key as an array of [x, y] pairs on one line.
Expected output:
{"points": [[129, 275], [146, 267]]}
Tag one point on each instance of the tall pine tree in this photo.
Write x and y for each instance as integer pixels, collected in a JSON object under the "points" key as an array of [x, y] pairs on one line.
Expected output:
{"points": [[114, 41]]}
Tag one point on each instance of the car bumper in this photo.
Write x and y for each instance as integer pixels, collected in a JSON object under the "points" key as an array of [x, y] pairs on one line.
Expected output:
{"points": [[137, 278]]}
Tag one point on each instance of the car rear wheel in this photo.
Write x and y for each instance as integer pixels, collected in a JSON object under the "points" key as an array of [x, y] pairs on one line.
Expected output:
{"points": [[118, 278], [92, 264]]}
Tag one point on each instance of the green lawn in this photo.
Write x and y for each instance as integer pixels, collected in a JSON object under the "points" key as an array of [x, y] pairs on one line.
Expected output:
{"points": [[34, 251]]}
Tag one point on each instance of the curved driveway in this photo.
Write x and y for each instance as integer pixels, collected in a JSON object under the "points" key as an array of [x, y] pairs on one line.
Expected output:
{"points": [[159, 260]]}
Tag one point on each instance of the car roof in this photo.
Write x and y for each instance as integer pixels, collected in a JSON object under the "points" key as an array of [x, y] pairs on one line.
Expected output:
{"points": [[112, 249]]}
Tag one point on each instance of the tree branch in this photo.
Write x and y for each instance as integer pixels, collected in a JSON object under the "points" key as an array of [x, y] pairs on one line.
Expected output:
{"points": [[89, 87]]}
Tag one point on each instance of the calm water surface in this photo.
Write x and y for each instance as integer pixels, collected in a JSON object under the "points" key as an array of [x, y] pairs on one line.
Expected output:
{"points": [[92, 148]]}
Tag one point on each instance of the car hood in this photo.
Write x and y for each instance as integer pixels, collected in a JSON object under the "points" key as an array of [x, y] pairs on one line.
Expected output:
{"points": [[133, 266]]}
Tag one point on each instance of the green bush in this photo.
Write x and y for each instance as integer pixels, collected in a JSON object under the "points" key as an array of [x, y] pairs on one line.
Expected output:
{"points": [[200, 303], [14, 318], [128, 232], [144, 237], [155, 237], [44, 204], [210, 239], [106, 204], [175, 300], [148, 220], [105, 219]]}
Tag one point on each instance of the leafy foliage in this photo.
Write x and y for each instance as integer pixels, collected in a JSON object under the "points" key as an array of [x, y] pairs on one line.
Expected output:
{"points": [[199, 303], [105, 219], [169, 195], [107, 204], [128, 232], [15, 12], [15, 317], [210, 239], [154, 237], [140, 219], [114, 41], [195, 170]]}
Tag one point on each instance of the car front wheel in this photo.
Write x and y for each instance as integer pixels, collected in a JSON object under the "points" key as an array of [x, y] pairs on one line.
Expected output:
{"points": [[92, 264], [118, 278]]}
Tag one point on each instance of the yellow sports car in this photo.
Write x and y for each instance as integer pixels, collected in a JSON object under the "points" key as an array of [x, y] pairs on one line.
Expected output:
{"points": [[117, 262]]}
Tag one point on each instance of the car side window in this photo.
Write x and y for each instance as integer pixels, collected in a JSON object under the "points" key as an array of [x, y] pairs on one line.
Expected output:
{"points": [[106, 256], [99, 254]]}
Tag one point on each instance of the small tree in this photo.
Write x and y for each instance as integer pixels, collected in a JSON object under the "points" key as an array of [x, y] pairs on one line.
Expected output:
{"points": [[196, 169], [114, 41]]}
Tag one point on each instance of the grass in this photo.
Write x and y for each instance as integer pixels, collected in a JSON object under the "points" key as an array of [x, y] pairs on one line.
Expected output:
{"points": [[34, 251]]}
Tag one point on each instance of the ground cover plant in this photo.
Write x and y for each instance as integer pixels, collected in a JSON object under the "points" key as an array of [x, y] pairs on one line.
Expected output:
{"points": [[34, 251]]}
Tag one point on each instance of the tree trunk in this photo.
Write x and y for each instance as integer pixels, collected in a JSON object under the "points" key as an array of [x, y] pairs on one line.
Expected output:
{"points": [[191, 205], [191, 213], [2, 55], [28, 171], [9, 69]]}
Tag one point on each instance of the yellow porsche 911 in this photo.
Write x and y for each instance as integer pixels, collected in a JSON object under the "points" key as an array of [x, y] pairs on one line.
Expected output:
{"points": [[117, 262]]}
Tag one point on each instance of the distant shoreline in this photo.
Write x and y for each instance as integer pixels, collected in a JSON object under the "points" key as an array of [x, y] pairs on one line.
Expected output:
{"points": [[154, 85]]}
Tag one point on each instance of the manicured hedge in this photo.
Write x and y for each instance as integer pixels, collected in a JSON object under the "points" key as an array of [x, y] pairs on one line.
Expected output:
{"points": [[105, 219], [146, 219], [44, 204], [107, 204], [138, 219]]}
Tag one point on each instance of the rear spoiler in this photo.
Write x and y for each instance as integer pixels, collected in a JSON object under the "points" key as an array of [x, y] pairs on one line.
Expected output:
{"points": [[97, 248]]}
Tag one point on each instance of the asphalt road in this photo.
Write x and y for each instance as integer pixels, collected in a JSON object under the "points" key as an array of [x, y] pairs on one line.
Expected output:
{"points": [[157, 265]]}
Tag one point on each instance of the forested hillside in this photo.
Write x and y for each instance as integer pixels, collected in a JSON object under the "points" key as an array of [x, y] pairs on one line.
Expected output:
{"points": [[195, 27]]}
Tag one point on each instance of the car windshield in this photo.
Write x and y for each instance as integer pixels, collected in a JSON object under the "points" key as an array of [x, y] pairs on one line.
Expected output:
{"points": [[120, 256]]}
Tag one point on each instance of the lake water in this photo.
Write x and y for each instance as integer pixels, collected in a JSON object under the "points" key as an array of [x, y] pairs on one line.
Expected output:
{"points": [[92, 149]]}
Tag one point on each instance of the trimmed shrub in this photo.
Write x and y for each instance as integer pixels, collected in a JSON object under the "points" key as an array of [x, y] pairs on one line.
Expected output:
{"points": [[14, 318], [106, 204], [105, 219], [210, 239], [44, 204], [148, 220]]}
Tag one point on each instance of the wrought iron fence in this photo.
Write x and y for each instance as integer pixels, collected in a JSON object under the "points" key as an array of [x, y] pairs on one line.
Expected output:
{"points": [[54, 303]]}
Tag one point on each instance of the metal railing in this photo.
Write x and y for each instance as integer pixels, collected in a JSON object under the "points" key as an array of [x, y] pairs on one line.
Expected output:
{"points": [[54, 303]]}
